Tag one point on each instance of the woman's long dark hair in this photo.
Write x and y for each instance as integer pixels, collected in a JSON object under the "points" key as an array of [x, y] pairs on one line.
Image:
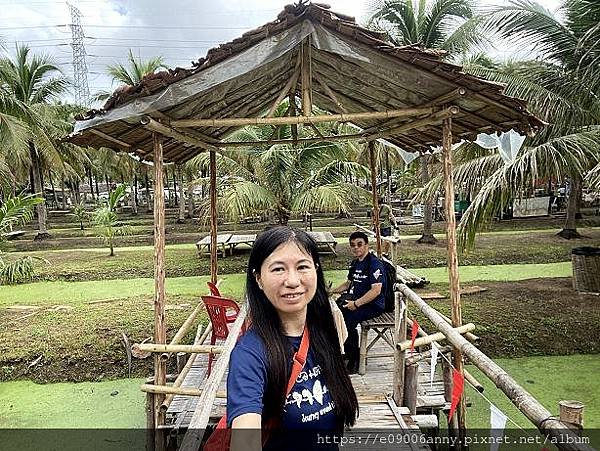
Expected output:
{"points": [[323, 334]]}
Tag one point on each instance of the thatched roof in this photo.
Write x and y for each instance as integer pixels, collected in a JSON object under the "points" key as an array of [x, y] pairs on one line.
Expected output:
{"points": [[244, 77]]}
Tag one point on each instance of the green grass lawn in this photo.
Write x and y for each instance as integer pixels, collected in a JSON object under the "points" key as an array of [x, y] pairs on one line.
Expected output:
{"points": [[42, 293], [499, 248]]}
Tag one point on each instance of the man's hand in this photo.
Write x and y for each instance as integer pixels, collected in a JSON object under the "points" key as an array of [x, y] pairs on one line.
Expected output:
{"points": [[351, 305]]}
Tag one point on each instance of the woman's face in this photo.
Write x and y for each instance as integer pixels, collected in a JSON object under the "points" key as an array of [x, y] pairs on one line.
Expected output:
{"points": [[288, 278]]}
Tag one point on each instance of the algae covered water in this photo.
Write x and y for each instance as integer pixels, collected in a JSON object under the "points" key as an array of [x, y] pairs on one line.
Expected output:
{"points": [[72, 416]]}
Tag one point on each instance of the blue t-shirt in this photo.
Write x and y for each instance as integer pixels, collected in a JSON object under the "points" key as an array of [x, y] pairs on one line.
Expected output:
{"points": [[365, 273], [308, 406]]}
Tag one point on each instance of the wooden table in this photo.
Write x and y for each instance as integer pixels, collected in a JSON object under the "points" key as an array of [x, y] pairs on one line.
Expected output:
{"points": [[222, 241], [325, 241]]}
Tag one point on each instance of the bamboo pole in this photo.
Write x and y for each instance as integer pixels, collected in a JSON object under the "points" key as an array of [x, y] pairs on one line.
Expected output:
{"points": [[411, 374], [306, 78], [116, 141], [213, 216], [531, 408], [404, 345], [182, 330], [453, 260], [330, 93], [193, 437], [165, 130], [160, 332], [375, 196], [469, 336], [334, 138], [163, 390], [399, 356], [186, 369], [288, 120], [284, 92], [161, 348]]}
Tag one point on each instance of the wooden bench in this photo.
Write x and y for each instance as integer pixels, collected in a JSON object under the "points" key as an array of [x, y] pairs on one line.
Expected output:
{"points": [[383, 326]]}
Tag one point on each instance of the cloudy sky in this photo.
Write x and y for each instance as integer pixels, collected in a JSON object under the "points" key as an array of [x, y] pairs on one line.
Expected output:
{"points": [[178, 30]]}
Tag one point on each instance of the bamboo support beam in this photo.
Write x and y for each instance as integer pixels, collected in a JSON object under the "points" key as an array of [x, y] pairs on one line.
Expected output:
{"points": [[103, 135], [165, 130], [284, 92], [333, 138], [404, 345], [288, 120], [193, 437], [160, 330], [453, 260], [182, 330], [306, 78], [213, 216], [329, 92], [469, 336], [399, 356], [523, 400], [163, 390], [375, 196], [162, 348], [200, 338], [432, 118]]}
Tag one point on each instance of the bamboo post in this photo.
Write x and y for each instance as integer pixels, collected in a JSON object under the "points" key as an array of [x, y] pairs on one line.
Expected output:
{"points": [[411, 373], [181, 218], [375, 196], [306, 78], [527, 404], [150, 422], [160, 332], [399, 335], [453, 259], [571, 413], [213, 216], [181, 361]]}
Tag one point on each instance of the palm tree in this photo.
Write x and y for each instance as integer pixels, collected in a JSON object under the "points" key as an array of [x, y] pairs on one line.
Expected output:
{"points": [[31, 82], [16, 211], [563, 88], [106, 222], [449, 25], [132, 73], [282, 180]]}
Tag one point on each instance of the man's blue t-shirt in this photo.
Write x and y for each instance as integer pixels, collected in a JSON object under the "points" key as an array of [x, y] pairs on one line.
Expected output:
{"points": [[365, 273], [308, 406]]}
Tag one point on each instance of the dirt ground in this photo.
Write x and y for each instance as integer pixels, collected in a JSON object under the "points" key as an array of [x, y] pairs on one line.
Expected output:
{"points": [[530, 317]]}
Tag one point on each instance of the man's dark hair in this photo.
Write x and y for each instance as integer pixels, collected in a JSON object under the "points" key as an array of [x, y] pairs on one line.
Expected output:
{"points": [[357, 235]]}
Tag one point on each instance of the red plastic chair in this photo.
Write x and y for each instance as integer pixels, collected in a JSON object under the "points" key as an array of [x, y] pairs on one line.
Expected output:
{"points": [[222, 312], [214, 290]]}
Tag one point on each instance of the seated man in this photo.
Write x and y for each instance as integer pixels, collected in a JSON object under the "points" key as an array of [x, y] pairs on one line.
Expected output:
{"points": [[365, 293]]}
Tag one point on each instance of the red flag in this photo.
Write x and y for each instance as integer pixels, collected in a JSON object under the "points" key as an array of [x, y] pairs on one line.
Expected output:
{"points": [[458, 385], [413, 334]]}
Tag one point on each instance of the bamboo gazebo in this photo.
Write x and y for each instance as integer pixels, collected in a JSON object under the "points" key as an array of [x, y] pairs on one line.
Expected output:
{"points": [[312, 56]]}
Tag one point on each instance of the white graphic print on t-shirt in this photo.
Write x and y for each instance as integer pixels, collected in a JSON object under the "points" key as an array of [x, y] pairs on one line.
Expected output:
{"points": [[309, 397]]}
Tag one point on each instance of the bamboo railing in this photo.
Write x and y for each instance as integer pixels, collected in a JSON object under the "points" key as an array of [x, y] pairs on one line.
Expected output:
{"points": [[543, 419]]}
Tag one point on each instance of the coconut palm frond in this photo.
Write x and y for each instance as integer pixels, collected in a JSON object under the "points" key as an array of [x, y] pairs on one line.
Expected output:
{"points": [[333, 197], [245, 198], [16, 210], [527, 23], [593, 177], [565, 156], [337, 171], [442, 15], [136, 69], [20, 270], [467, 37]]}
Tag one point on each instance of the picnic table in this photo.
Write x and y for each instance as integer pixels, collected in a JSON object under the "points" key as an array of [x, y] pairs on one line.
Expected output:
{"points": [[325, 241]]}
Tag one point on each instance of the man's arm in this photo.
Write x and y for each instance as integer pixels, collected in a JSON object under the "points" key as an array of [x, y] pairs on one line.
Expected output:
{"points": [[342, 287], [370, 295]]}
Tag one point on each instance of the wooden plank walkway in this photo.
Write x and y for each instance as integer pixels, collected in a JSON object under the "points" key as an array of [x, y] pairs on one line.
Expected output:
{"points": [[371, 389]]}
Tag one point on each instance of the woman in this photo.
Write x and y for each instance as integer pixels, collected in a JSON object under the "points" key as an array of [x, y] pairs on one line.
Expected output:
{"points": [[286, 292]]}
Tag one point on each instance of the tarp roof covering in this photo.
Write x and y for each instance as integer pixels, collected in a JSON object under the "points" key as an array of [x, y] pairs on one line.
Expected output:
{"points": [[244, 77]]}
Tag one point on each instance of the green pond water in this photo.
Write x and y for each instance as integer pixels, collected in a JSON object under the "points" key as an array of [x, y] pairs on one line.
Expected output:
{"points": [[118, 405]]}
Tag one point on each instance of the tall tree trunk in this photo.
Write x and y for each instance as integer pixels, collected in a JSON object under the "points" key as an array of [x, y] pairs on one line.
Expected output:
{"points": [[569, 230], [148, 204], [38, 188], [97, 190], [427, 237], [91, 183], [181, 218], [388, 173], [190, 197], [53, 190], [77, 192], [167, 187], [132, 197], [175, 190], [62, 190]]}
